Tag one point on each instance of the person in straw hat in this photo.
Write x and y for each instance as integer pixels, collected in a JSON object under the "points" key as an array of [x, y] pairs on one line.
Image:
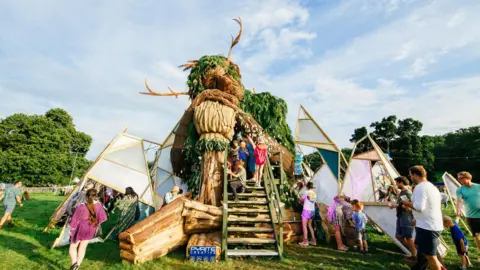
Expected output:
{"points": [[172, 195]]}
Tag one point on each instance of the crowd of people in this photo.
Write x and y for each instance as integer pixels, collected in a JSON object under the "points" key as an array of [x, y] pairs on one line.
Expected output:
{"points": [[418, 210]]}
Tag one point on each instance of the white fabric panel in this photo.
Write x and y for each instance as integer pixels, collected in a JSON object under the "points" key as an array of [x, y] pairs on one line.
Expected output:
{"points": [[169, 141], [386, 219], [329, 147], [326, 185], [451, 184], [358, 181], [161, 177], [119, 178], [380, 176], [122, 142], [370, 155], [309, 132], [132, 157], [164, 161], [165, 187], [388, 166]]}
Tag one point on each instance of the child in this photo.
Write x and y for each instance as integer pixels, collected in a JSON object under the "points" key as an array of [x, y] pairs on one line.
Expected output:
{"points": [[234, 151], [261, 153], [308, 214], [360, 220], [459, 240], [243, 152]]}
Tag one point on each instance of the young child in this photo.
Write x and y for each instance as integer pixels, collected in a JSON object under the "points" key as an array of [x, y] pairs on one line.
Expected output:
{"points": [[234, 151], [308, 214], [360, 220], [459, 240], [243, 152]]}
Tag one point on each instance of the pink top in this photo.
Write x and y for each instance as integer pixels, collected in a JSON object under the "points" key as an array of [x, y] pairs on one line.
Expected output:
{"points": [[81, 229], [260, 155]]}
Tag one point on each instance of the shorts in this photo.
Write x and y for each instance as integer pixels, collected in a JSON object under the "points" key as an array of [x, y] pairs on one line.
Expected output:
{"points": [[460, 252], [427, 241], [404, 227], [308, 214], [8, 208], [360, 234], [474, 224]]}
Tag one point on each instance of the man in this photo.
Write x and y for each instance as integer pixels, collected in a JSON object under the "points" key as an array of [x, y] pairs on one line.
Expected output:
{"points": [[11, 197], [427, 211], [239, 179], [404, 230], [468, 195], [172, 195]]}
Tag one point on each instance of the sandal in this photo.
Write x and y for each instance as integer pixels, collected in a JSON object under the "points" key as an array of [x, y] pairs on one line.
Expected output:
{"points": [[344, 248], [313, 243]]}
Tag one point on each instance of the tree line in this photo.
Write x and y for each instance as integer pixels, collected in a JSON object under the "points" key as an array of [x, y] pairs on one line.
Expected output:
{"points": [[452, 152], [40, 150]]}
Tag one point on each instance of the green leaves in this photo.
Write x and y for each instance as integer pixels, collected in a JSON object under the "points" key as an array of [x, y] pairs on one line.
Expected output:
{"points": [[41, 148], [203, 146]]}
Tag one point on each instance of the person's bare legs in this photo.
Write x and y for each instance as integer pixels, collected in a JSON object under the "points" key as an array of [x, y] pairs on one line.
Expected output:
{"points": [[433, 262], [360, 245], [82, 248], [410, 244], [6, 217], [365, 245], [401, 239], [73, 252], [260, 173], [255, 175], [338, 238], [305, 231], [310, 228]]}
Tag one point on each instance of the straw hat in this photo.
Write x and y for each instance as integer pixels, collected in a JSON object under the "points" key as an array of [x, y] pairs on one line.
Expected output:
{"points": [[175, 189]]}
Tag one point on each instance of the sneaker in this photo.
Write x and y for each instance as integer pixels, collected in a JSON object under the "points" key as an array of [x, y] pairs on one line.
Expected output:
{"points": [[313, 243], [303, 243]]}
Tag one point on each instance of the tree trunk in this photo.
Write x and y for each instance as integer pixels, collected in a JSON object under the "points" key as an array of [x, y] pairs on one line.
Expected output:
{"points": [[212, 178]]}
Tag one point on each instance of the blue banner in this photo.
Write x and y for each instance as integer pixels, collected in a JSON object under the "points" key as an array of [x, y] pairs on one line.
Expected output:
{"points": [[203, 253]]}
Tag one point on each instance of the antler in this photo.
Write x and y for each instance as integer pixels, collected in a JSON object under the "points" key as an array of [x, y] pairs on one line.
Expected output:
{"points": [[237, 39], [153, 93], [190, 64]]}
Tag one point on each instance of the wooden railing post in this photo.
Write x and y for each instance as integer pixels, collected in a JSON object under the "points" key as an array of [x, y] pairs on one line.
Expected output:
{"points": [[225, 208]]}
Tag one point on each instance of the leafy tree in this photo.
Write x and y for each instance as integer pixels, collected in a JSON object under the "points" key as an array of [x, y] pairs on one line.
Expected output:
{"points": [[40, 149], [358, 134], [347, 152], [313, 160], [385, 131]]}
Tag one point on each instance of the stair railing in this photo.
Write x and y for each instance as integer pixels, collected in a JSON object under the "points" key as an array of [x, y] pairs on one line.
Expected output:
{"points": [[225, 207], [273, 197]]}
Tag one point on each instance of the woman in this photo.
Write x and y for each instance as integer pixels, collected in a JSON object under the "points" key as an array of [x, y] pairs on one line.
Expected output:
{"points": [[338, 212], [239, 178], [84, 224], [129, 210]]}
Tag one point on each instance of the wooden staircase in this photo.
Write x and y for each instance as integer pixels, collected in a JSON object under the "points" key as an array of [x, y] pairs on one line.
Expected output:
{"points": [[248, 222]]}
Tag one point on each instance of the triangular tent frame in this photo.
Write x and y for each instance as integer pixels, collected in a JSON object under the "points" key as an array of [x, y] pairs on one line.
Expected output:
{"points": [[114, 146], [452, 195], [164, 176], [364, 159], [309, 133]]}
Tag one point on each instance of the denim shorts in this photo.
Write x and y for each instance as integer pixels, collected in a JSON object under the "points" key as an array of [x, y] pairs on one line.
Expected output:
{"points": [[360, 234], [427, 241], [404, 227], [8, 208]]}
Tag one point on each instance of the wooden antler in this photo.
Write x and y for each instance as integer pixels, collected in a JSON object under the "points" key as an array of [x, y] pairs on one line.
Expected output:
{"points": [[237, 39], [190, 64], [153, 93]]}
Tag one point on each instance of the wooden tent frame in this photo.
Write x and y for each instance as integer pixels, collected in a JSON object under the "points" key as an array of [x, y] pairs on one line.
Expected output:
{"points": [[319, 145], [86, 176], [380, 154], [452, 201]]}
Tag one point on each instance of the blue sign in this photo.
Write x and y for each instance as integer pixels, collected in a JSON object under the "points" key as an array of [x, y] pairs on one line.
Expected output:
{"points": [[203, 254]]}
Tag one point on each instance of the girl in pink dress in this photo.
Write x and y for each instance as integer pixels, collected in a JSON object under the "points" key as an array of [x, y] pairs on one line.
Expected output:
{"points": [[260, 153], [83, 226]]}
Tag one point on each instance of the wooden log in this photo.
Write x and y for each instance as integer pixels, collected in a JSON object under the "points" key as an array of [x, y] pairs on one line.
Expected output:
{"points": [[194, 225], [126, 246], [154, 254], [212, 178], [154, 223], [127, 255], [160, 240], [200, 215], [212, 210]]}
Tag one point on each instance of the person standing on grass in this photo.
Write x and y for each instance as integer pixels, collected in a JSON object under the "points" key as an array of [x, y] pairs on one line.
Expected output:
{"points": [[10, 198], [308, 214], [459, 240], [427, 210], [468, 195], [404, 229], [360, 220], [84, 224]]}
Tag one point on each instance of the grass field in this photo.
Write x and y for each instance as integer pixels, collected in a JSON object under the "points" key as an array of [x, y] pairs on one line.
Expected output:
{"points": [[26, 247]]}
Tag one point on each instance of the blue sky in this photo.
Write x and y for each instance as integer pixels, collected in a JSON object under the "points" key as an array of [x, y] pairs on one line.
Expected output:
{"points": [[348, 62]]}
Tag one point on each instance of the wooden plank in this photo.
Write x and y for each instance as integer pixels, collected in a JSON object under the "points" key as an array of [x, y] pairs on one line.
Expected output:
{"points": [[248, 202], [250, 229], [249, 194], [250, 241], [251, 252], [246, 210], [251, 220]]}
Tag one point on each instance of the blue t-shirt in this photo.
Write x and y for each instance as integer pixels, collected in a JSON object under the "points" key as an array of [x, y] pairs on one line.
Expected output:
{"points": [[457, 236], [10, 196], [242, 154], [471, 199], [360, 220]]}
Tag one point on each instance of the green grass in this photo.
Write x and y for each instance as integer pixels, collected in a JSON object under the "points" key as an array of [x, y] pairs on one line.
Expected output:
{"points": [[26, 247]]}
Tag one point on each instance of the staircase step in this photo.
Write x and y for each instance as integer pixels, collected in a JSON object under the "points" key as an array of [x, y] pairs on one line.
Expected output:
{"points": [[250, 220], [248, 202], [249, 194], [250, 229], [254, 188], [248, 211], [250, 241], [251, 252]]}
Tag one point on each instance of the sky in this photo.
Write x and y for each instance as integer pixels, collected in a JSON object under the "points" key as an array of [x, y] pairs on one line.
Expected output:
{"points": [[349, 63]]}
